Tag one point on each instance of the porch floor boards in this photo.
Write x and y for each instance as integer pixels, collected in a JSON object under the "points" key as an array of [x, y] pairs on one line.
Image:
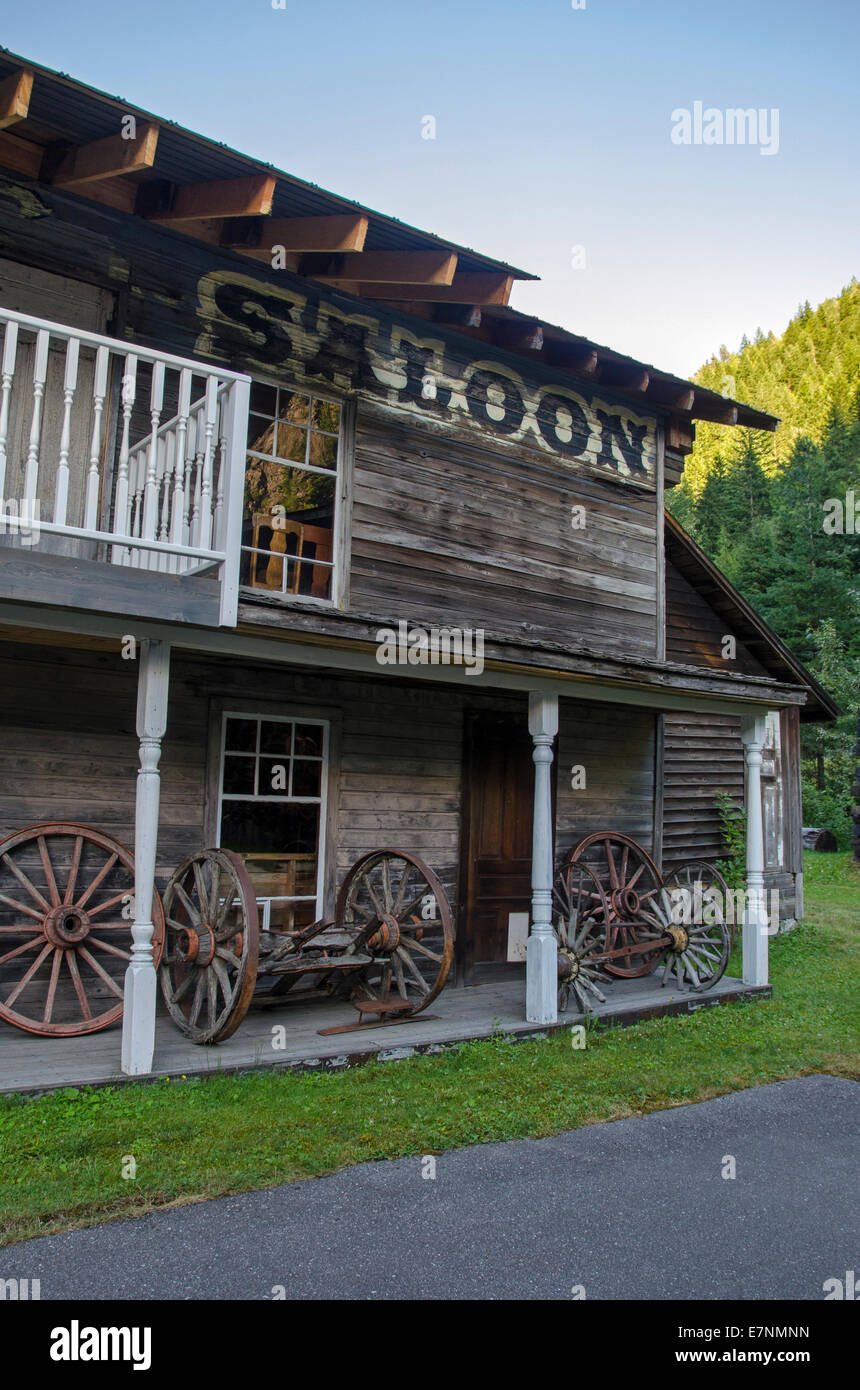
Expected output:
{"points": [[34, 1064]]}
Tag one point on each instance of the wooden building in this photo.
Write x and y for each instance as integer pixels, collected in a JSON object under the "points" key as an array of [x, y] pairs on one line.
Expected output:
{"points": [[271, 435]]}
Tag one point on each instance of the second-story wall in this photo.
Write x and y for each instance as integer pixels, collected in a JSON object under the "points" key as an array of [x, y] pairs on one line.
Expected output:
{"points": [[483, 488]]}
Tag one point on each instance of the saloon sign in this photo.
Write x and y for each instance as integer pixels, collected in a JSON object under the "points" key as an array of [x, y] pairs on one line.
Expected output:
{"points": [[280, 329]]}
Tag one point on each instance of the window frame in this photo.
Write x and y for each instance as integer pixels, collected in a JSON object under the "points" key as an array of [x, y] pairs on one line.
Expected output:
{"points": [[223, 707], [342, 496]]}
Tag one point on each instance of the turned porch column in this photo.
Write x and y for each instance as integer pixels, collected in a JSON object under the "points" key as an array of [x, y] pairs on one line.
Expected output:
{"points": [[541, 950], [138, 1023], [755, 925]]}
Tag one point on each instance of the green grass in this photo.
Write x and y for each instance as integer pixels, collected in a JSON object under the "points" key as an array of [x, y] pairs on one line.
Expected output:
{"points": [[61, 1156]]}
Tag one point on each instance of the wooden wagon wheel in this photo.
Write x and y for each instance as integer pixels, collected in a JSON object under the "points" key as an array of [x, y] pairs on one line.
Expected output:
{"points": [[402, 915], [702, 883], [66, 912], [580, 918], [698, 952], [631, 882], [213, 945]]}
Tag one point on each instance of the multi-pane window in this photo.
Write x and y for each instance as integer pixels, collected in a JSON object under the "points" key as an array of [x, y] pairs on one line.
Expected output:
{"points": [[288, 530], [272, 811]]}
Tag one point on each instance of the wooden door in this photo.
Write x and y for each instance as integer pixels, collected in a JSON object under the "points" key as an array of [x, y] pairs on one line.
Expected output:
{"points": [[497, 840]]}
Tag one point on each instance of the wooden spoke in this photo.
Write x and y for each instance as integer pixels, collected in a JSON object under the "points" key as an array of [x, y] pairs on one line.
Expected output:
{"points": [[112, 950], [97, 881], [26, 978], [110, 902], [49, 870], [79, 988], [25, 883], [102, 974], [19, 950], [209, 968], [73, 871], [73, 876], [52, 987]]}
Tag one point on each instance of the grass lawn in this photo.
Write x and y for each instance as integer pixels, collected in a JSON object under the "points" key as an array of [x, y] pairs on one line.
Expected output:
{"points": [[62, 1156]]}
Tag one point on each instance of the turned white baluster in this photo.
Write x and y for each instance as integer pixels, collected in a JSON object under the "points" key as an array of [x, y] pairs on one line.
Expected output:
{"points": [[205, 540], [150, 492], [177, 519], [200, 450], [165, 478], [10, 345], [128, 397], [70, 381], [99, 393], [40, 373], [221, 475]]}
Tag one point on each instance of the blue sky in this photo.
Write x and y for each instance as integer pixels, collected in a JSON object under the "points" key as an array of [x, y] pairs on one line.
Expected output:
{"points": [[553, 131]]}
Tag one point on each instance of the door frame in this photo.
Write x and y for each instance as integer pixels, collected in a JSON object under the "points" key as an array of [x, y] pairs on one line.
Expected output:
{"points": [[464, 966]]}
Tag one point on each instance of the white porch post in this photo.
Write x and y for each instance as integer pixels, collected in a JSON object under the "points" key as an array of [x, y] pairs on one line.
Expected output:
{"points": [[755, 927], [541, 950], [138, 1023]]}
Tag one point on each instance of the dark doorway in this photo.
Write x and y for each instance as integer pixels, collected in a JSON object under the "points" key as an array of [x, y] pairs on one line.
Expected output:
{"points": [[497, 840]]}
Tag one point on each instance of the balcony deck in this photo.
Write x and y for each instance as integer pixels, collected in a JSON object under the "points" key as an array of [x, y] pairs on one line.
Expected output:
{"points": [[113, 455]]}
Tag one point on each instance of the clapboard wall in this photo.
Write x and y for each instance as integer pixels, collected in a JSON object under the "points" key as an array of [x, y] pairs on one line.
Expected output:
{"points": [[616, 748], [462, 534], [695, 633], [702, 755]]}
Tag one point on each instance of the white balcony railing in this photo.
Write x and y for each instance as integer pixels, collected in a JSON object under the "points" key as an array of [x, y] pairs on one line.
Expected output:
{"points": [[114, 452]]}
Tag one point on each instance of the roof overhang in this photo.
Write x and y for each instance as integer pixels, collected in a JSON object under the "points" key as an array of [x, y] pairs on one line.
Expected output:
{"points": [[63, 133]]}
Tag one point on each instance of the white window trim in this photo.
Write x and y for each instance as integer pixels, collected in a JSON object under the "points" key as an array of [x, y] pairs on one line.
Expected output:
{"points": [[343, 491], [265, 904]]}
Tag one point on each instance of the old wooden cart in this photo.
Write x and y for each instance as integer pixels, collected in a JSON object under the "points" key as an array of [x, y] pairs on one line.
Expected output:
{"points": [[388, 947]]}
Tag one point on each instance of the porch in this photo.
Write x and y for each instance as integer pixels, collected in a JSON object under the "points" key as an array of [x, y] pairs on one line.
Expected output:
{"points": [[36, 1064]]}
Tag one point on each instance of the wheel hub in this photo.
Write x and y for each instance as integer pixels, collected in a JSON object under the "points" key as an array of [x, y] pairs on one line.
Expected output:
{"points": [[568, 966], [67, 926], [387, 935], [196, 946], [625, 902], [680, 938]]}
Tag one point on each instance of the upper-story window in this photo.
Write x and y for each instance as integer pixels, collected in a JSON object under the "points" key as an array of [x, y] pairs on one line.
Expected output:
{"points": [[291, 489]]}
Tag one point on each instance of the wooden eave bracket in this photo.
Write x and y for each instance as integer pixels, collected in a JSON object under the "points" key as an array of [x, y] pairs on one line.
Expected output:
{"points": [[213, 199], [109, 158], [15, 93]]}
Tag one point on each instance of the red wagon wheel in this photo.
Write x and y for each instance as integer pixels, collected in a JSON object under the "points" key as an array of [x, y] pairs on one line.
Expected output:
{"points": [[403, 917], [66, 911], [631, 882], [213, 945]]}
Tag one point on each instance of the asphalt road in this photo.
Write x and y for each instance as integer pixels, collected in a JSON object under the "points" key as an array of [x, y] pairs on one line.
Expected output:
{"points": [[634, 1209]]}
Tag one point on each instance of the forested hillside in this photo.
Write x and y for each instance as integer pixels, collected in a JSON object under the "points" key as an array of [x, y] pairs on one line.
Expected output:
{"points": [[776, 513]]}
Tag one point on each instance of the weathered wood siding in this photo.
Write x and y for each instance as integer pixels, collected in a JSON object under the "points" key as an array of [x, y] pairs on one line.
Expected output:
{"points": [[695, 633], [468, 458], [616, 746], [702, 755], [448, 531]]}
